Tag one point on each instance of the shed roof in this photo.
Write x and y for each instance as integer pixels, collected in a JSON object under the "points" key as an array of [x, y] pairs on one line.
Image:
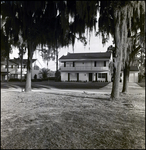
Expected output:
{"points": [[133, 68]]}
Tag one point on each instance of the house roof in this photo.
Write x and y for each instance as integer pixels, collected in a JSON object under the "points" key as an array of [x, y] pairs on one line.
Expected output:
{"points": [[133, 68], [10, 62], [98, 55], [18, 61]]}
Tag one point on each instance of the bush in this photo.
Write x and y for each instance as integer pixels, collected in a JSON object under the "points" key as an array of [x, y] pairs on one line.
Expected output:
{"points": [[14, 80], [51, 78], [36, 80], [57, 76]]}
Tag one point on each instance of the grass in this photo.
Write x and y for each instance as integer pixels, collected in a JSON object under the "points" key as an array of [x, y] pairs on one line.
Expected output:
{"points": [[71, 121], [63, 85], [142, 84]]}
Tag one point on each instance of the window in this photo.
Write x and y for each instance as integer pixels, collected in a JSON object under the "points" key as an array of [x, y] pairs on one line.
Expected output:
{"points": [[104, 63], [14, 76], [102, 75], [24, 66], [73, 64], [99, 75], [11, 66], [36, 67], [94, 63], [64, 64], [18, 66]]}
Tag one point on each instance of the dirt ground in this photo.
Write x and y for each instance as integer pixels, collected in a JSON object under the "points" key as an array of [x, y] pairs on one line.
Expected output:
{"points": [[41, 120]]}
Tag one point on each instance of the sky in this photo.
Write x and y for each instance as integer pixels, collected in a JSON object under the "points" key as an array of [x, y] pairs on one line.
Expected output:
{"points": [[95, 45]]}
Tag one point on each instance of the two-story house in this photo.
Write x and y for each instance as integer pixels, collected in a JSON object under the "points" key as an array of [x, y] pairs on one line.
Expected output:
{"points": [[15, 69], [12, 69], [91, 67], [85, 66]]}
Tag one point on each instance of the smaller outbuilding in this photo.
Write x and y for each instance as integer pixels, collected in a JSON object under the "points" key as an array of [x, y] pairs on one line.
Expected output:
{"points": [[133, 75]]}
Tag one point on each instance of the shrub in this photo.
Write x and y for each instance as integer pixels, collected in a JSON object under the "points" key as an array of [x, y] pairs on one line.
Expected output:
{"points": [[14, 80]]}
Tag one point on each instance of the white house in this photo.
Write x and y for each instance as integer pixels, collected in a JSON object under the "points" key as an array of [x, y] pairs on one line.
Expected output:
{"points": [[85, 67], [12, 69], [90, 67], [15, 69]]}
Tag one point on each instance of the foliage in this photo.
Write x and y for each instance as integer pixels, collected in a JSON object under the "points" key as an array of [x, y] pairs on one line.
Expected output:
{"points": [[121, 19], [5, 45], [44, 73], [49, 23], [46, 23], [57, 76]]}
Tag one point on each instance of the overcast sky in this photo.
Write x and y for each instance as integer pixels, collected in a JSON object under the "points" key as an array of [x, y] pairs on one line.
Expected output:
{"points": [[94, 46]]}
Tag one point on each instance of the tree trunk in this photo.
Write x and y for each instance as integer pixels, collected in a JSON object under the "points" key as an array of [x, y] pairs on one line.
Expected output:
{"points": [[126, 78], [29, 67], [117, 63], [21, 64], [116, 81], [7, 66], [56, 59]]}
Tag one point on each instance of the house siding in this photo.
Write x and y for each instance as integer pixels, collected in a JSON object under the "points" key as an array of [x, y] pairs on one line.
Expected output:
{"points": [[84, 76], [133, 76], [90, 67], [84, 68], [15, 71]]}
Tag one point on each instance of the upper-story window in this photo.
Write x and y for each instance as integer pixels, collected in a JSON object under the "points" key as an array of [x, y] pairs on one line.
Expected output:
{"points": [[104, 63], [36, 67], [73, 64], [94, 63], [64, 64]]}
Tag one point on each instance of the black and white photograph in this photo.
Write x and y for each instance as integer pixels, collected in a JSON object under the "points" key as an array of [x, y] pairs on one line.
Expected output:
{"points": [[73, 74]]}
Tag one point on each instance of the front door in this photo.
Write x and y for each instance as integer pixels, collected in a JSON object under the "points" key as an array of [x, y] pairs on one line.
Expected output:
{"points": [[3, 77], [68, 76], [106, 77], [77, 77], [90, 76], [96, 77]]}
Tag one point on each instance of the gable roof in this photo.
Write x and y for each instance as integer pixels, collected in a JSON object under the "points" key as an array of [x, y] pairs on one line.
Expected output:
{"points": [[10, 62], [18, 61], [98, 55]]}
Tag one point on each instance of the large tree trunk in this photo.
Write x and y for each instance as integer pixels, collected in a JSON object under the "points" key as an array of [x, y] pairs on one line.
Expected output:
{"points": [[120, 38], [29, 67], [126, 78], [56, 59], [117, 62], [7, 66], [116, 80], [21, 64]]}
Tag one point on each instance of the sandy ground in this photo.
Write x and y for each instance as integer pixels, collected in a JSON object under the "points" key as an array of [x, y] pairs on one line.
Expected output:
{"points": [[43, 120]]}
